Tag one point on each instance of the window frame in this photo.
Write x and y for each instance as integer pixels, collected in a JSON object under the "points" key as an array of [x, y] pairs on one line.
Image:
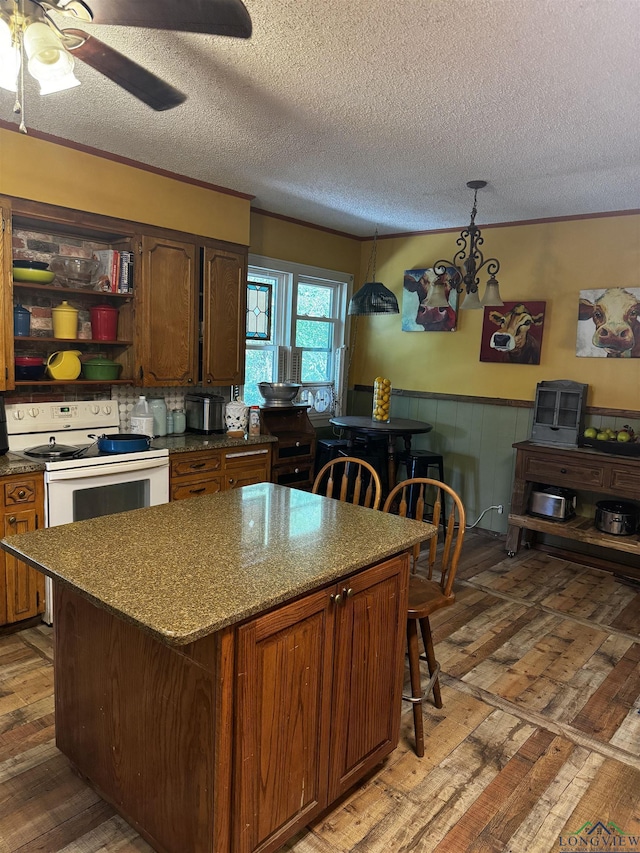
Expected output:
{"points": [[289, 277]]}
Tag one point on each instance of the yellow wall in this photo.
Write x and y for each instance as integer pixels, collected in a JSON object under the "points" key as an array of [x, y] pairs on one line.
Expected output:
{"points": [[39, 170], [296, 243], [548, 262]]}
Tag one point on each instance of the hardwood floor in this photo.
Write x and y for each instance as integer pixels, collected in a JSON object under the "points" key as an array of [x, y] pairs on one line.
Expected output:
{"points": [[537, 747]]}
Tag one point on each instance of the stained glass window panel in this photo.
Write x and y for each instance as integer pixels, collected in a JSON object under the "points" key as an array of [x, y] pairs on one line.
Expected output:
{"points": [[259, 311]]}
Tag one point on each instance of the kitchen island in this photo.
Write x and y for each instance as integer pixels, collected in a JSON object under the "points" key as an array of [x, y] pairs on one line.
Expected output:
{"points": [[227, 667]]}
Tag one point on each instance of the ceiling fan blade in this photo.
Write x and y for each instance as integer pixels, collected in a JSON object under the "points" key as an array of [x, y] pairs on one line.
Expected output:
{"points": [[217, 17], [128, 74]]}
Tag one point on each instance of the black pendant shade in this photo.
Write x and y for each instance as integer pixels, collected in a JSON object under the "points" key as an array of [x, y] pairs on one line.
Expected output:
{"points": [[374, 298]]}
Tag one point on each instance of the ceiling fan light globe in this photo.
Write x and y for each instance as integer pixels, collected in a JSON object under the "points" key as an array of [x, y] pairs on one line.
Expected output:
{"points": [[9, 68], [59, 83]]}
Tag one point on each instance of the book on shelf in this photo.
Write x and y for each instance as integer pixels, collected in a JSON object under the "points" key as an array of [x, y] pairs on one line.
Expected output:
{"points": [[115, 270]]}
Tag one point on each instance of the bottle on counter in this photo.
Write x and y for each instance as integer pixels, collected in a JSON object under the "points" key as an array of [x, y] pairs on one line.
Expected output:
{"points": [[169, 422], [179, 421], [142, 417], [254, 420], [159, 411]]}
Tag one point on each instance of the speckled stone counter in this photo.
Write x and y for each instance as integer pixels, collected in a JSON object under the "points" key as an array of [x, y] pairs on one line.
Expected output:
{"points": [[11, 463], [186, 569]]}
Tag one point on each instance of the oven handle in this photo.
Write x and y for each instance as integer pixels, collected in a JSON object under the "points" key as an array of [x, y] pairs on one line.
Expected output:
{"points": [[103, 470]]}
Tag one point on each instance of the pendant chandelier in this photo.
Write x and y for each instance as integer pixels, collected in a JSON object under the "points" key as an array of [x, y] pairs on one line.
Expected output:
{"points": [[373, 297], [468, 262]]}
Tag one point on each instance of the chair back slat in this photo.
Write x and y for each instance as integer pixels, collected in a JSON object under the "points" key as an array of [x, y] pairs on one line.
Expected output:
{"points": [[445, 558], [359, 481]]}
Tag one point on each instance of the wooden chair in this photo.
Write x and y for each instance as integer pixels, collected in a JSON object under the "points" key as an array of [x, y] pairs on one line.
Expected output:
{"points": [[427, 595], [355, 480]]}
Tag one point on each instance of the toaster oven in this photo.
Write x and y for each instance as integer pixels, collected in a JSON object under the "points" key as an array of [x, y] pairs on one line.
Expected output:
{"points": [[552, 502]]}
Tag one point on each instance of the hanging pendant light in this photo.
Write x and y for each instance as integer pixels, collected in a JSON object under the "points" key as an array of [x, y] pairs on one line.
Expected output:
{"points": [[470, 261], [373, 297]]}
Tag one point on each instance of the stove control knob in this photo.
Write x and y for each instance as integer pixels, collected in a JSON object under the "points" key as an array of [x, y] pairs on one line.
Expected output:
{"points": [[18, 414], [33, 413], [106, 410], [95, 410]]}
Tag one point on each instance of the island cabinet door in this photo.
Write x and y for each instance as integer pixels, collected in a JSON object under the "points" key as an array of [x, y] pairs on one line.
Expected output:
{"points": [[284, 663], [368, 671]]}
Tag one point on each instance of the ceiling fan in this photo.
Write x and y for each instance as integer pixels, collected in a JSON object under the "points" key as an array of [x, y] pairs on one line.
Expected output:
{"points": [[28, 26]]}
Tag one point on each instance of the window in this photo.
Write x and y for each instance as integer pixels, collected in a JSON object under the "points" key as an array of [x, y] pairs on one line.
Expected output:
{"points": [[296, 332]]}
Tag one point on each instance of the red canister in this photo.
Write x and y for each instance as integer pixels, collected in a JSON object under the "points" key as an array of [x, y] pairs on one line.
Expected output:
{"points": [[104, 323]]}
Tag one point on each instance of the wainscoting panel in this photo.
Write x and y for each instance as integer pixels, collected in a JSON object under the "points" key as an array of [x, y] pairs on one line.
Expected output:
{"points": [[476, 442]]}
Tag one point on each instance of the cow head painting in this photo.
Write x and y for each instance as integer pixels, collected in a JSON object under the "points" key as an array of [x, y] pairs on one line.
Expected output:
{"points": [[513, 333], [609, 323], [417, 316]]}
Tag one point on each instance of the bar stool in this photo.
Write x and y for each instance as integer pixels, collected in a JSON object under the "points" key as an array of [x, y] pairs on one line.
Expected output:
{"points": [[327, 449], [418, 463]]}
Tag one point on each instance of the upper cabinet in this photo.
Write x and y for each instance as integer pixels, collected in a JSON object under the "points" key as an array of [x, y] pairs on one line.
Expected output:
{"points": [[224, 297], [182, 322], [166, 313]]}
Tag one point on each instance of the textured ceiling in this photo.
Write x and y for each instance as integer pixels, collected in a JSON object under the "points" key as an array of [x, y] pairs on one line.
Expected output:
{"points": [[357, 114]]}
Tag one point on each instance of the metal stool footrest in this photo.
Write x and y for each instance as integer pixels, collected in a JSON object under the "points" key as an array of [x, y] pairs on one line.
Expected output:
{"points": [[415, 700]]}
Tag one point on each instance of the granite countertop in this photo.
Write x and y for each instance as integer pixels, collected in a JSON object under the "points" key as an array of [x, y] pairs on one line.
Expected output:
{"points": [[11, 463], [186, 569]]}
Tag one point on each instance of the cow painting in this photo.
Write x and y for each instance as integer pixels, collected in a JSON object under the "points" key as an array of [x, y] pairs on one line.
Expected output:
{"points": [[512, 334], [417, 316], [609, 323]]}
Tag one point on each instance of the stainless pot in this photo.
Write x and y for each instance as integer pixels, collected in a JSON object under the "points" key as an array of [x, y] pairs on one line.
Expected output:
{"points": [[616, 517]]}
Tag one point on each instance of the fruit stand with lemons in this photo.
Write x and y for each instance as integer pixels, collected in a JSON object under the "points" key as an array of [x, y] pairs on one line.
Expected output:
{"points": [[381, 399]]}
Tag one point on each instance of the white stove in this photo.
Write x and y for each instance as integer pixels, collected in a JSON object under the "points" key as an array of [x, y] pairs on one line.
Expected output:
{"points": [[80, 481]]}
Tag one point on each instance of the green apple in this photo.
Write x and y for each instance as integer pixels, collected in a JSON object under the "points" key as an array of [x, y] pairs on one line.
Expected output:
{"points": [[590, 432], [623, 436], [602, 436]]}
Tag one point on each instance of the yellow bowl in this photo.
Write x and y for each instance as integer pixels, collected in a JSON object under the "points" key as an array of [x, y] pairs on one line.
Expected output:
{"points": [[33, 276]]}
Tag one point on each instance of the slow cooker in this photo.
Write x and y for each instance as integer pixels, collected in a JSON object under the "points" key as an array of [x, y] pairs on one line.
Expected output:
{"points": [[620, 518]]}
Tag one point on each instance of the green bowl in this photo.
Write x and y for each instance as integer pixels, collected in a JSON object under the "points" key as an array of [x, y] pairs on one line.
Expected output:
{"points": [[102, 369], [33, 276]]}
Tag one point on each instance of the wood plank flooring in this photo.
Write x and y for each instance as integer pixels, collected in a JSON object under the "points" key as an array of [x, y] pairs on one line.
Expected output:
{"points": [[536, 750]]}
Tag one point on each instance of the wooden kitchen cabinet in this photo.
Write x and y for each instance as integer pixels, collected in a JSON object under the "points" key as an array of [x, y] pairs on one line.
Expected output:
{"points": [[21, 587], [224, 303], [295, 452], [582, 469], [204, 472], [6, 300], [166, 312], [179, 281], [319, 685]]}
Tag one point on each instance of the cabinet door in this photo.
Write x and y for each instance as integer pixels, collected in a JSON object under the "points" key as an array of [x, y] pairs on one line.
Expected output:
{"points": [[224, 315], [24, 586], [368, 671], [166, 313], [6, 300], [246, 467], [283, 694]]}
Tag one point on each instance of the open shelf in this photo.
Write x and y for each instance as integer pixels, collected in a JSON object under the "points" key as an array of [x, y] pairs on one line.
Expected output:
{"points": [[37, 340], [578, 528], [65, 291]]}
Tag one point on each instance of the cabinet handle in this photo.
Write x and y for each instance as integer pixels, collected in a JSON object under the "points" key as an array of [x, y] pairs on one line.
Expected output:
{"points": [[335, 599], [347, 593], [231, 480], [563, 470], [189, 379], [195, 465], [297, 444], [21, 493], [12, 519], [197, 491]]}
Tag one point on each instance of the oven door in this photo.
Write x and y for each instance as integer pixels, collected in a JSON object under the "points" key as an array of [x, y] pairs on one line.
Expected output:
{"points": [[74, 494]]}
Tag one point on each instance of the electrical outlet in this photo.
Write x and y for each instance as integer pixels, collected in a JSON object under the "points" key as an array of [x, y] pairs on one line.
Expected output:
{"points": [[500, 509]]}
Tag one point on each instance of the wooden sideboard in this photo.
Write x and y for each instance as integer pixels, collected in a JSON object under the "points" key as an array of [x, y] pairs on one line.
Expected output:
{"points": [[584, 470]]}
